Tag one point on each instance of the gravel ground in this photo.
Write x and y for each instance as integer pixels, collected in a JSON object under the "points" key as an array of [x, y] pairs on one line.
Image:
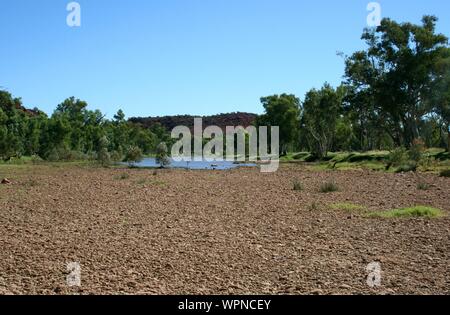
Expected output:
{"points": [[218, 232]]}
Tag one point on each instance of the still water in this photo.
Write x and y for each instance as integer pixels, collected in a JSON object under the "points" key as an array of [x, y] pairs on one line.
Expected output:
{"points": [[194, 165]]}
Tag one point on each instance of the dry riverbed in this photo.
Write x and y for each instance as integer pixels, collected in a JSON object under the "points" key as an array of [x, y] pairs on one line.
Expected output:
{"points": [[218, 232]]}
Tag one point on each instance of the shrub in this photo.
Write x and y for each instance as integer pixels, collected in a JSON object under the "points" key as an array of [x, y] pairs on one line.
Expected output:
{"points": [[397, 157], [133, 155], [63, 154], [162, 157], [35, 159], [445, 173], [428, 163], [103, 156], [328, 187], [297, 185], [417, 150], [406, 168], [116, 156], [423, 186]]}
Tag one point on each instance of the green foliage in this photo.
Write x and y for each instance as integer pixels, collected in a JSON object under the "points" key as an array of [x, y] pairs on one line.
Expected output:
{"points": [[282, 111], [321, 110], [399, 55], [397, 157], [162, 155], [417, 150], [72, 133], [133, 155], [116, 156], [103, 156], [328, 187], [419, 211], [411, 166]]}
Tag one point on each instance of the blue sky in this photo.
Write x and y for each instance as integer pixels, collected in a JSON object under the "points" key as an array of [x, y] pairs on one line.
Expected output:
{"points": [[164, 57]]}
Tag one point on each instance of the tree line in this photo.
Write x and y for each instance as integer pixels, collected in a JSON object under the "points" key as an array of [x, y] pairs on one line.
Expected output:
{"points": [[394, 94], [72, 132]]}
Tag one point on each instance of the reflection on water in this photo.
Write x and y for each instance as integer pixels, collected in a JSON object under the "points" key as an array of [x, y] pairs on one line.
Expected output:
{"points": [[194, 165]]}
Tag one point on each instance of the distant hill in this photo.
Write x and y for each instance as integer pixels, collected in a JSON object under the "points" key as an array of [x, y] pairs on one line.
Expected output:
{"points": [[221, 120]]}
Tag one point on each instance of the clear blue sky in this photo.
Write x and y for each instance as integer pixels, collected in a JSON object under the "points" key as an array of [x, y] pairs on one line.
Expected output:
{"points": [[164, 57]]}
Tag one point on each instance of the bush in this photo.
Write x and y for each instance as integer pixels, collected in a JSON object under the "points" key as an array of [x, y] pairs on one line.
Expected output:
{"points": [[63, 154], [428, 163], [328, 187], [397, 157], [406, 168], [298, 185], [423, 186], [116, 156], [103, 156], [162, 157], [36, 159], [445, 173], [133, 155], [417, 150]]}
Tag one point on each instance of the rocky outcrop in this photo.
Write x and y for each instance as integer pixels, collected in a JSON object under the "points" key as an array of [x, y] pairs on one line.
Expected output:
{"points": [[221, 120]]}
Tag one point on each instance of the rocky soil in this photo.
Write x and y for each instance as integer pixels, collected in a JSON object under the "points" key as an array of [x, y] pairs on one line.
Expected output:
{"points": [[218, 232]]}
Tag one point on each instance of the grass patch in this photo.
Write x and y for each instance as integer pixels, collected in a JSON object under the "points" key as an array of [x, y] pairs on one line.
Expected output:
{"points": [[329, 187], [413, 212], [347, 207], [423, 186], [297, 185]]}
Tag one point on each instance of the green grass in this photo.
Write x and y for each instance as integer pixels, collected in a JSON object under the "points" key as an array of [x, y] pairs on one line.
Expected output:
{"points": [[373, 160], [413, 212], [329, 187], [347, 207], [423, 186]]}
